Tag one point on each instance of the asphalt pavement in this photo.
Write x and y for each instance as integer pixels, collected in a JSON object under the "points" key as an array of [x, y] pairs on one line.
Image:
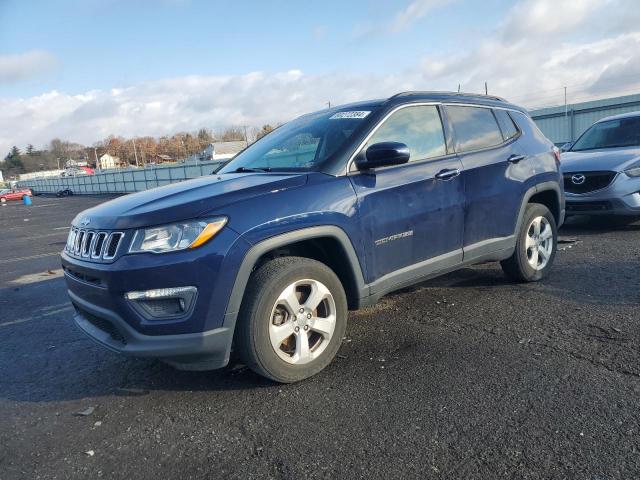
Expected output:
{"points": [[467, 376]]}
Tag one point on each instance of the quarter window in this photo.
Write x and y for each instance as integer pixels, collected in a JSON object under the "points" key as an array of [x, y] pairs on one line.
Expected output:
{"points": [[419, 128], [509, 130], [475, 128]]}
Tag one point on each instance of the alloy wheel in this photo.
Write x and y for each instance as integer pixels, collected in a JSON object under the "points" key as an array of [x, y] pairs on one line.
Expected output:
{"points": [[539, 243], [302, 321]]}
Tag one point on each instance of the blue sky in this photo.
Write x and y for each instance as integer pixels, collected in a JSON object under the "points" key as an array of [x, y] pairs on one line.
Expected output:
{"points": [[82, 70], [118, 43]]}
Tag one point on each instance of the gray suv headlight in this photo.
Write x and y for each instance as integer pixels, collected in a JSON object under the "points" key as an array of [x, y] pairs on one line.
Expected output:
{"points": [[176, 236], [633, 170]]}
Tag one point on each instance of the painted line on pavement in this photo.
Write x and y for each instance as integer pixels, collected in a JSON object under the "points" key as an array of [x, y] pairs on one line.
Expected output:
{"points": [[27, 319], [30, 257]]}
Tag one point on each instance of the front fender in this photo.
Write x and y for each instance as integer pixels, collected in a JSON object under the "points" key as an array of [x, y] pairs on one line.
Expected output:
{"points": [[260, 248]]}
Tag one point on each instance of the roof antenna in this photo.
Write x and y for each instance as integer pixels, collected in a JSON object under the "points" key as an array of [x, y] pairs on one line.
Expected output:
{"points": [[486, 89]]}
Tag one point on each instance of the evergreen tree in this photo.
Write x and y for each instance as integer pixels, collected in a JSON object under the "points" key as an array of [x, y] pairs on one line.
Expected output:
{"points": [[15, 152], [29, 149]]}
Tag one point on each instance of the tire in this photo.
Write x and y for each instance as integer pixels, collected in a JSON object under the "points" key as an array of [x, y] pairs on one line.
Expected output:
{"points": [[266, 317], [531, 248]]}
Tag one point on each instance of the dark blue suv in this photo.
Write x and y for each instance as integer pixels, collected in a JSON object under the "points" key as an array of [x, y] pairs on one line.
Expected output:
{"points": [[327, 213]]}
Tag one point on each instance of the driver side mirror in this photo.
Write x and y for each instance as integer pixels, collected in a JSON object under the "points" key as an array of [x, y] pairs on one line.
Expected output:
{"points": [[383, 154]]}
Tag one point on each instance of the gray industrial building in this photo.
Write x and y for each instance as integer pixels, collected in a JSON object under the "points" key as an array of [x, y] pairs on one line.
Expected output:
{"points": [[561, 126]]}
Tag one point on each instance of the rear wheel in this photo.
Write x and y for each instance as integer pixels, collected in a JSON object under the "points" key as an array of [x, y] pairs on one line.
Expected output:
{"points": [[535, 247], [292, 320]]}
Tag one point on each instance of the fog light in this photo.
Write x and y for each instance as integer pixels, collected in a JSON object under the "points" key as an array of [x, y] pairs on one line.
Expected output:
{"points": [[163, 303]]}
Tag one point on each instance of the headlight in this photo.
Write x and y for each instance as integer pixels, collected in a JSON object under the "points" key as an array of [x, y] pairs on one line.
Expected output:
{"points": [[176, 236], [633, 170]]}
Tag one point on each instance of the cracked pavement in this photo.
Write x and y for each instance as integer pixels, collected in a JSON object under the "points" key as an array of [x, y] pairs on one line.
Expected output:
{"points": [[465, 376]]}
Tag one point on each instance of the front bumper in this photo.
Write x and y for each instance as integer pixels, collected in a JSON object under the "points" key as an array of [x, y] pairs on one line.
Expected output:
{"points": [[199, 340], [191, 351], [621, 197]]}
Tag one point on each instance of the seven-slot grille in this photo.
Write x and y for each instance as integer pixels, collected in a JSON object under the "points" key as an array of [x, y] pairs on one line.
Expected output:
{"points": [[584, 182], [93, 244]]}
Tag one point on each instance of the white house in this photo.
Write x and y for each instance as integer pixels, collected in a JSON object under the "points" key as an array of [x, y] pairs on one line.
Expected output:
{"points": [[218, 151], [107, 161], [222, 150]]}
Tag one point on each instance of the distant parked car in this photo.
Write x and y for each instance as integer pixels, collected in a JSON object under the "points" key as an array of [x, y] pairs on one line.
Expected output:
{"points": [[602, 168], [66, 192], [14, 194]]}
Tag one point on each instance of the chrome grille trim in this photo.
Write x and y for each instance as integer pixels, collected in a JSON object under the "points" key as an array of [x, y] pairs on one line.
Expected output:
{"points": [[114, 238], [71, 239], [78, 243], [98, 246], [87, 243], [93, 244]]}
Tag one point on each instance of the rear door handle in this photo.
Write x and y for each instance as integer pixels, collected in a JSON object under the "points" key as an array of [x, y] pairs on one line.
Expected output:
{"points": [[447, 174], [515, 158]]}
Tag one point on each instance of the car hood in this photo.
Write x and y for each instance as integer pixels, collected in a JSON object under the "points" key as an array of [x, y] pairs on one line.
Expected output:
{"points": [[185, 200], [614, 159]]}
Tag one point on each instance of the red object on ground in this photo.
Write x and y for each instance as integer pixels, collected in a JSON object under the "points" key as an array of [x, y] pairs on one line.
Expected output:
{"points": [[88, 170], [15, 194]]}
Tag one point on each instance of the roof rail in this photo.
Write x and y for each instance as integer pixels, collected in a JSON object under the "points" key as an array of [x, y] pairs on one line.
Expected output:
{"points": [[462, 94]]}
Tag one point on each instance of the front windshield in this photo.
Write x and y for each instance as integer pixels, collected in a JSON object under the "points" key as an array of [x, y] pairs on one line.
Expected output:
{"points": [[624, 132], [303, 144]]}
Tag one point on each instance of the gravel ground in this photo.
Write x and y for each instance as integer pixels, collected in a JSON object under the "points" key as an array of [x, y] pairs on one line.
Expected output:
{"points": [[466, 376]]}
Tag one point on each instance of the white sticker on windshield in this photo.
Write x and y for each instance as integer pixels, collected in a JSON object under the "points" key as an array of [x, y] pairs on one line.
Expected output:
{"points": [[357, 114]]}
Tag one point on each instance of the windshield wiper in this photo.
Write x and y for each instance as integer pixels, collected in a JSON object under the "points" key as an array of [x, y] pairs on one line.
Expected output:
{"points": [[249, 170]]}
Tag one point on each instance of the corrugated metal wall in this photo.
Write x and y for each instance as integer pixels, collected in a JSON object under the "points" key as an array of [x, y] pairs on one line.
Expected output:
{"points": [[123, 181], [561, 128]]}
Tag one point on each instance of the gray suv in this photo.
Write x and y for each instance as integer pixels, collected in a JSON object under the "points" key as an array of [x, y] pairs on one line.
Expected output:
{"points": [[601, 169]]}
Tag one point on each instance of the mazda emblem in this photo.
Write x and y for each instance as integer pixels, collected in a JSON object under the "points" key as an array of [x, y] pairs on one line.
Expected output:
{"points": [[578, 179]]}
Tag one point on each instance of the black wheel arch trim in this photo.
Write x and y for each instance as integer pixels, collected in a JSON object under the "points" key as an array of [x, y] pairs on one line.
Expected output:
{"points": [[539, 188], [308, 233]]}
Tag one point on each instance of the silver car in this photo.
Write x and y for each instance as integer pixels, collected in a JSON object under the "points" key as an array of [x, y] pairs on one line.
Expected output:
{"points": [[602, 168]]}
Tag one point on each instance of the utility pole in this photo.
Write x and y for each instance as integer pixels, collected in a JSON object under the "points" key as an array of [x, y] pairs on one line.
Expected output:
{"points": [[246, 139], [486, 88], [565, 102], [58, 160], [458, 88], [96, 155], [135, 153], [329, 104]]}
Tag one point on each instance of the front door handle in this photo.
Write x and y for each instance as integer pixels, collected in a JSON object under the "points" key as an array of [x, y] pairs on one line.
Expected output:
{"points": [[515, 158], [447, 174]]}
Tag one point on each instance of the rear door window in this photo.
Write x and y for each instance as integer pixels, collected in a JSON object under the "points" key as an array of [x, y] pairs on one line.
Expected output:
{"points": [[475, 128], [509, 129], [419, 128]]}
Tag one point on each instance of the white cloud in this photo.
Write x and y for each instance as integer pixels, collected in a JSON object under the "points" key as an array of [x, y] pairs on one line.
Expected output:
{"points": [[543, 45], [415, 11], [22, 66], [529, 66]]}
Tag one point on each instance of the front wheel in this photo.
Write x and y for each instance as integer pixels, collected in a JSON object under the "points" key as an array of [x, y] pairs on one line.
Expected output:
{"points": [[3, 200], [292, 319], [535, 247]]}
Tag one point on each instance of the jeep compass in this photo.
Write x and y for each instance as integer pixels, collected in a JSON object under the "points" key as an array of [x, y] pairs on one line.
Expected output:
{"points": [[325, 214]]}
